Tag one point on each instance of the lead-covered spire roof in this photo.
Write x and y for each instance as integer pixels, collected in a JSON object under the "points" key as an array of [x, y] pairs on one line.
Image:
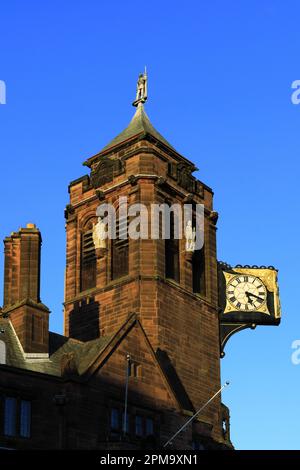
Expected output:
{"points": [[140, 123]]}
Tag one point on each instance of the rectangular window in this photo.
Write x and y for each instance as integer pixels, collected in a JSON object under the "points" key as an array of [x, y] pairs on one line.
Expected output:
{"points": [[135, 370], [25, 418], [88, 261], [172, 270], [138, 425], [120, 249], [149, 427], [196, 445], [10, 416], [114, 419], [127, 422], [198, 263]]}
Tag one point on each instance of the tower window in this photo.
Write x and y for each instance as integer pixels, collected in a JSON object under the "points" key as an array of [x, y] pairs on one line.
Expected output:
{"points": [[88, 260], [120, 249], [198, 266], [172, 253]]}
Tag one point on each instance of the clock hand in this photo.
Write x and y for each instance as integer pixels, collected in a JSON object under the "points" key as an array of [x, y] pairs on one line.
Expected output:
{"points": [[249, 298], [249, 294]]}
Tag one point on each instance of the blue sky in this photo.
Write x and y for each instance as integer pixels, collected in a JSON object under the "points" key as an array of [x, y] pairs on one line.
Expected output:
{"points": [[220, 76]]}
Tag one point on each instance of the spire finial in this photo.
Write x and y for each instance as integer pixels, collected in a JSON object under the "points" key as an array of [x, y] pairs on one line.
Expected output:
{"points": [[142, 89]]}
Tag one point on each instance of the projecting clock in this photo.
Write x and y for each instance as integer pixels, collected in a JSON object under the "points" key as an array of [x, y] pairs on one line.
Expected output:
{"points": [[248, 296], [246, 293]]}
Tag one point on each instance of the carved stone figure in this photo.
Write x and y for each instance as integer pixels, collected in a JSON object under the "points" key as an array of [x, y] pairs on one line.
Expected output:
{"points": [[141, 87], [190, 237], [68, 364], [141, 92], [99, 234]]}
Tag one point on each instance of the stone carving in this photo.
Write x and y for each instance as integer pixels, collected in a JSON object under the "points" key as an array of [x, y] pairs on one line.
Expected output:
{"points": [[185, 178], [99, 234], [132, 179], [69, 210], [190, 237], [100, 195], [213, 216], [68, 364], [182, 173], [142, 89], [105, 171]]}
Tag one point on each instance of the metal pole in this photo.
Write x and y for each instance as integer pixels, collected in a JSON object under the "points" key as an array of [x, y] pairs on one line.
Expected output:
{"points": [[195, 415], [126, 394]]}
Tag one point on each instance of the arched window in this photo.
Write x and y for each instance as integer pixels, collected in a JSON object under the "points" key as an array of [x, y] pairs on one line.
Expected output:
{"points": [[2, 352], [120, 249], [88, 260], [172, 253]]}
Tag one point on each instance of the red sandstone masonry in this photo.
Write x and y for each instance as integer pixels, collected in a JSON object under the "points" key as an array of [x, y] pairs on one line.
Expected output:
{"points": [[22, 289], [175, 320]]}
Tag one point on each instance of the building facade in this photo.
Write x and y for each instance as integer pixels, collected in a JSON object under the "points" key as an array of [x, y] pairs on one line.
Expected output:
{"points": [[141, 346]]}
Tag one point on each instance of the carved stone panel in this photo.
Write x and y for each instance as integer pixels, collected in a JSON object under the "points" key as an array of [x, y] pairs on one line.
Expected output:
{"points": [[105, 171], [182, 173]]}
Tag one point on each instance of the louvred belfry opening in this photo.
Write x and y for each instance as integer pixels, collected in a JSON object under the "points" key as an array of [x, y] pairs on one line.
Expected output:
{"points": [[172, 253], [88, 259], [120, 249]]}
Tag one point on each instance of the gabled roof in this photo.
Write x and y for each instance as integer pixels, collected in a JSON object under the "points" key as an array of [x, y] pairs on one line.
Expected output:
{"points": [[59, 345], [89, 357], [164, 367], [139, 125]]}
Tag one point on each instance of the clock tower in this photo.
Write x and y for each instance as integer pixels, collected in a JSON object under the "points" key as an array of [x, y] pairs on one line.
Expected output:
{"points": [[148, 309], [172, 291]]}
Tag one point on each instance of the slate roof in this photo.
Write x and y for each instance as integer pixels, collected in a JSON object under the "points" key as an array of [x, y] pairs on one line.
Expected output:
{"points": [[84, 352], [139, 125], [84, 355]]}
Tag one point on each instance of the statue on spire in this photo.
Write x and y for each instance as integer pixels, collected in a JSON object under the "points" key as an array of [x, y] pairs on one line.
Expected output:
{"points": [[142, 89]]}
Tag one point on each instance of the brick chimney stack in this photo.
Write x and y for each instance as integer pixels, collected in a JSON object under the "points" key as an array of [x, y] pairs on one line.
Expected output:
{"points": [[22, 302], [22, 265]]}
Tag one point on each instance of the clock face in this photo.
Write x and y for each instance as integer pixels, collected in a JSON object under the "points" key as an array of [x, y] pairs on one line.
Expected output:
{"points": [[246, 293]]}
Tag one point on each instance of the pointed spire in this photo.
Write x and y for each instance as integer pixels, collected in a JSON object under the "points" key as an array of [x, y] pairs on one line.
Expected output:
{"points": [[140, 123]]}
